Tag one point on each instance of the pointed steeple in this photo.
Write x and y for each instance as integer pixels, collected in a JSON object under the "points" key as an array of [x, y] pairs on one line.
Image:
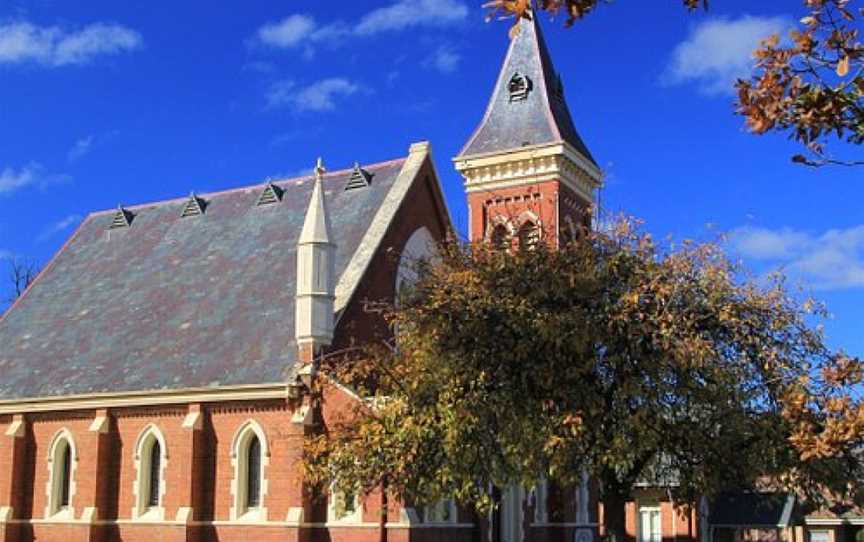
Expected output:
{"points": [[527, 107], [316, 282], [316, 227]]}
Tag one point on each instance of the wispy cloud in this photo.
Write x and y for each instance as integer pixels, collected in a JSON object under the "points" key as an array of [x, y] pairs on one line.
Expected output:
{"points": [[445, 59], [6, 255], [33, 174], [299, 30], [319, 96], [81, 148], [719, 51], [57, 227], [826, 261], [23, 42]]}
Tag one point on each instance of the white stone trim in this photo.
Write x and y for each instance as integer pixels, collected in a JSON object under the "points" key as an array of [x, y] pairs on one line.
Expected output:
{"points": [[239, 461], [141, 486], [530, 165], [95, 401], [53, 490], [451, 504], [362, 257]]}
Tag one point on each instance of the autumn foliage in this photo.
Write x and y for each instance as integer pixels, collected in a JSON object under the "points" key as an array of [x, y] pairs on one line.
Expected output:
{"points": [[612, 356]]}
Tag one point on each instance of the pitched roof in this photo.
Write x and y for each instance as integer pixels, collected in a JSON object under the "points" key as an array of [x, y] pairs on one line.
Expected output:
{"points": [[514, 120], [175, 303], [752, 509]]}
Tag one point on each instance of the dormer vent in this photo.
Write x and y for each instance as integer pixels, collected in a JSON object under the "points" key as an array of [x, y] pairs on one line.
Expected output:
{"points": [[122, 218], [360, 178], [194, 207], [271, 194]]}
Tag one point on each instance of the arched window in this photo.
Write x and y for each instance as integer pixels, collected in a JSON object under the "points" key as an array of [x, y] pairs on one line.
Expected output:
{"points": [[155, 485], [151, 457], [61, 471], [253, 474], [529, 235], [250, 458], [500, 237], [65, 476]]}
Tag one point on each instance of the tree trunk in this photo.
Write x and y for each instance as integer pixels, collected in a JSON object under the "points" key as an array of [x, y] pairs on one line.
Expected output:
{"points": [[614, 517]]}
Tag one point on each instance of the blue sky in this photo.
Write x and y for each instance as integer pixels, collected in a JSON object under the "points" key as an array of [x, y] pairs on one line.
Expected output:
{"points": [[103, 102]]}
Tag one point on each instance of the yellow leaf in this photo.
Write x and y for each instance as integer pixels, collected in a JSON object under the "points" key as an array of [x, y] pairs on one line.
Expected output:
{"points": [[843, 66]]}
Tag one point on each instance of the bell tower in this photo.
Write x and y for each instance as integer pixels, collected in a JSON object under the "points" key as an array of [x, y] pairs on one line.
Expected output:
{"points": [[528, 175]]}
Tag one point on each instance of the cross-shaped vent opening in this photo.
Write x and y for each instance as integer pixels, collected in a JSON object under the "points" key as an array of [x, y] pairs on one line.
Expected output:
{"points": [[122, 218], [271, 194], [360, 178], [194, 207]]}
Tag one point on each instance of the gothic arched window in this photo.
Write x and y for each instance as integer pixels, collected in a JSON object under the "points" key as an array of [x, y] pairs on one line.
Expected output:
{"points": [[150, 461], [253, 473], [529, 235], [65, 476], [250, 458], [155, 465], [500, 237], [61, 467]]}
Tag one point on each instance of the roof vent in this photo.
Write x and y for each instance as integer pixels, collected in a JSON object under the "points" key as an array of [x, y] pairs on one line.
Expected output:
{"points": [[194, 207], [519, 87], [360, 178], [271, 194], [122, 218]]}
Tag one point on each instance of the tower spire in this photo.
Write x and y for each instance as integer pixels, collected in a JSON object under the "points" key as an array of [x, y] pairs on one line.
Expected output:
{"points": [[527, 171], [315, 272]]}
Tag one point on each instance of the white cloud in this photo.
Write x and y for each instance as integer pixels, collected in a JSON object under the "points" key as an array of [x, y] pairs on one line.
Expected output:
{"points": [[445, 59], [33, 174], [59, 226], [12, 180], [302, 30], [831, 260], [719, 51], [288, 32], [319, 96], [81, 148], [23, 42], [407, 13]]}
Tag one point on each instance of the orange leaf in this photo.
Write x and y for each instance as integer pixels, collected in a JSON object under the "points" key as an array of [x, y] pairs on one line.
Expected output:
{"points": [[843, 66]]}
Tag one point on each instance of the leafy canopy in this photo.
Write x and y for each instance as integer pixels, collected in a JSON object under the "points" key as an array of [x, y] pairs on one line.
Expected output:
{"points": [[611, 356]]}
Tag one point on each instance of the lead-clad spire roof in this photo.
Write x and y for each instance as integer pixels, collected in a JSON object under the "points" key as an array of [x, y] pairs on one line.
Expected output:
{"points": [[528, 105]]}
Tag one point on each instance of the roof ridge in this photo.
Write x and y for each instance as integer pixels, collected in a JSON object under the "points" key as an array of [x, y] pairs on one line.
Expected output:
{"points": [[206, 195]]}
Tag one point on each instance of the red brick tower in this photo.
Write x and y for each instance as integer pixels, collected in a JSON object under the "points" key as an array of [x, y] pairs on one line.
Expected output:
{"points": [[528, 175]]}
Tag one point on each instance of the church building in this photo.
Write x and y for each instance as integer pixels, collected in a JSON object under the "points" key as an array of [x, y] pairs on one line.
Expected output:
{"points": [[153, 377]]}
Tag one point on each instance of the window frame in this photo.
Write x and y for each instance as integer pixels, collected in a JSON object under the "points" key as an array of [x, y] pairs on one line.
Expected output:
{"points": [[61, 474], [444, 504], [654, 508], [334, 497], [240, 509], [142, 489]]}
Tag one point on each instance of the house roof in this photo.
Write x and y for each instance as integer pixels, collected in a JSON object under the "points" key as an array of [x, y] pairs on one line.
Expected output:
{"points": [[174, 302], [541, 116], [752, 509]]}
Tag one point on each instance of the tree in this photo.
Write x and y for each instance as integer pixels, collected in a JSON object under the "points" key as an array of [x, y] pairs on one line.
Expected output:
{"points": [[810, 85], [609, 356], [21, 272]]}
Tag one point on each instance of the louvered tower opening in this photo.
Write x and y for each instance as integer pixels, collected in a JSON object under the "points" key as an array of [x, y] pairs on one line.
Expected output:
{"points": [[360, 178]]}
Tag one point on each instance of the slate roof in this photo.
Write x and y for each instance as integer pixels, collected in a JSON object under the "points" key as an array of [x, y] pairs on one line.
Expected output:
{"points": [[543, 117], [752, 509], [175, 303]]}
